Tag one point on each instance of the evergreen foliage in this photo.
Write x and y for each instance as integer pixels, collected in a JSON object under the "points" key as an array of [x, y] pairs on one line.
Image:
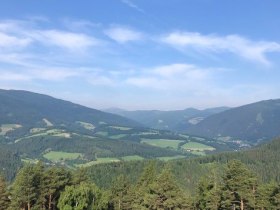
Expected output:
{"points": [[4, 195]]}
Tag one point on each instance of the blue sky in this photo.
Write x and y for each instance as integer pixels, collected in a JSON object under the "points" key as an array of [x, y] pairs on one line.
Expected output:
{"points": [[142, 54]]}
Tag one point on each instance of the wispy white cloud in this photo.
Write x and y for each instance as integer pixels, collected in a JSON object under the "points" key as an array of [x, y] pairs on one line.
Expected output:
{"points": [[79, 25], [173, 76], [10, 41], [180, 70], [13, 76], [251, 50], [132, 5], [53, 73], [39, 73], [24, 33], [64, 39], [123, 34], [101, 80]]}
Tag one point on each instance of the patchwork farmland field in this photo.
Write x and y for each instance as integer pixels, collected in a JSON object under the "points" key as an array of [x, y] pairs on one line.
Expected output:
{"points": [[167, 158], [164, 143], [132, 157], [98, 161], [5, 128], [55, 156], [195, 146]]}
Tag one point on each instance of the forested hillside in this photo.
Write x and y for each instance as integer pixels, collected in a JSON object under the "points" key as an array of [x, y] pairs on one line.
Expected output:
{"points": [[233, 186], [253, 123], [29, 110], [175, 120], [262, 160], [10, 162], [38, 127]]}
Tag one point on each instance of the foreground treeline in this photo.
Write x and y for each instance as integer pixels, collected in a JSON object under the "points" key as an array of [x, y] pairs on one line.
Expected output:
{"points": [[235, 187]]}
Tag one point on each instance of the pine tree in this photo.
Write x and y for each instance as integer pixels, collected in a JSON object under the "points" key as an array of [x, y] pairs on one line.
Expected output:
{"points": [[54, 181], [25, 188], [120, 192], [264, 196], [139, 194], [209, 192], [239, 190], [4, 196], [79, 176], [164, 193], [275, 198]]}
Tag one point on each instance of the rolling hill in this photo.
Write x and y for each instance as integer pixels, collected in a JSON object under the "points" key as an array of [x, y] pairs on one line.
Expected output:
{"points": [[177, 120], [37, 127], [31, 109], [254, 123]]}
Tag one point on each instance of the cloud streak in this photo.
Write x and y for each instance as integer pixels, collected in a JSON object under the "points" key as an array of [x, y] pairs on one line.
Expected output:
{"points": [[123, 34], [120, 59], [171, 77], [255, 51], [132, 5]]}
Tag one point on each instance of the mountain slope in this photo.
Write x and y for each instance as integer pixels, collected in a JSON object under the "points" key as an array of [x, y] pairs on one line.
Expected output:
{"points": [[30, 109], [39, 127], [253, 122], [177, 120]]}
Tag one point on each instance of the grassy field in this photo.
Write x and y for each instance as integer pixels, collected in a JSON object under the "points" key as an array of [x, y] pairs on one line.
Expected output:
{"points": [[184, 136], [88, 126], [171, 158], [198, 138], [121, 128], [164, 143], [52, 132], [8, 127], [146, 133], [36, 130], [29, 160], [102, 133], [200, 153], [194, 146], [98, 161], [119, 136], [58, 156], [132, 157], [48, 123]]}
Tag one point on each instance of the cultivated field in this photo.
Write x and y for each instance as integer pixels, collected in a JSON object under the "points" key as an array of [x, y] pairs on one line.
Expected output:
{"points": [[98, 161], [55, 156], [132, 157], [164, 143], [5, 128], [121, 128], [195, 146], [86, 125]]}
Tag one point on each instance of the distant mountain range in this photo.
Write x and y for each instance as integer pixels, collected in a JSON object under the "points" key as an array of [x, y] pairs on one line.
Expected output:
{"points": [[253, 122], [39, 127], [250, 123], [32, 109], [176, 120]]}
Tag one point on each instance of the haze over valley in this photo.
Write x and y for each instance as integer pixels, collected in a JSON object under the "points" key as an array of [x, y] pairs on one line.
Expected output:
{"points": [[137, 104]]}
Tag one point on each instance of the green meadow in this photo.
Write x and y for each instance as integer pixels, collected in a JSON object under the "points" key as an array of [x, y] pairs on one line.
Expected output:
{"points": [[56, 156], [164, 143], [195, 146]]}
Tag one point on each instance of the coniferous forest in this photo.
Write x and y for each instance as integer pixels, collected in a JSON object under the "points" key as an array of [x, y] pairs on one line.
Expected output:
{"points": [[223, 181]]}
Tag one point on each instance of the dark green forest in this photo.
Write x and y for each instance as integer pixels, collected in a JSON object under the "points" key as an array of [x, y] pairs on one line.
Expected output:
{"points": [[237, 180]]}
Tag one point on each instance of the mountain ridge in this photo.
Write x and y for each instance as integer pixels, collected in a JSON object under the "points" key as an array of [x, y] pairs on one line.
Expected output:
{"points": [[175, 120], [252, 122], [40, 106]]}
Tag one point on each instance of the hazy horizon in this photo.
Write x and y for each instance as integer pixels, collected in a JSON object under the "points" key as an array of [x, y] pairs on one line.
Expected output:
{"points": [[142, 55]]}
